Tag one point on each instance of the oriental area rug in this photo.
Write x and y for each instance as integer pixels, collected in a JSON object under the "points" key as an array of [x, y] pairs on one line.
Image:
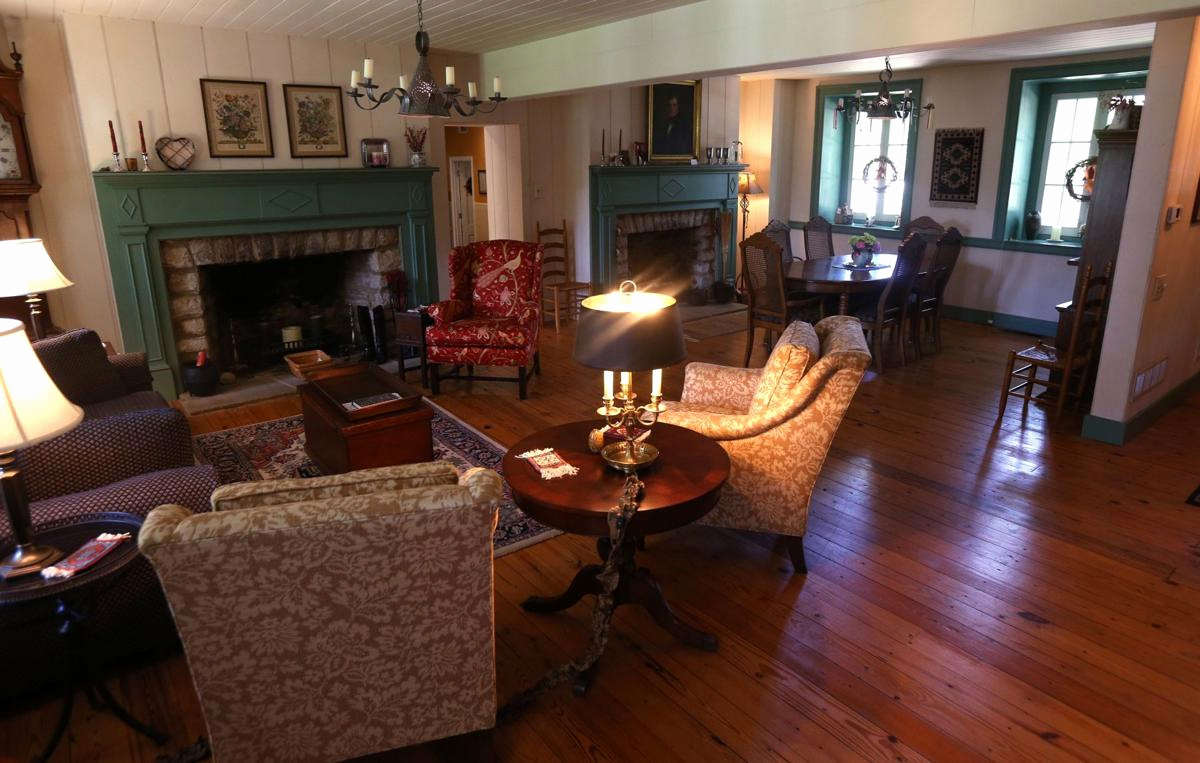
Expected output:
{"points": [[275, 450]]}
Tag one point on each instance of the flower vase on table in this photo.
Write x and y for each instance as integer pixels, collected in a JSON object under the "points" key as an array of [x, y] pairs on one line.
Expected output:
{"points": [[863, 250]]}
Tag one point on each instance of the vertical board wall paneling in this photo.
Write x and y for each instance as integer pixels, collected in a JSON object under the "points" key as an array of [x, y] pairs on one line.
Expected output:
{"points": [[93, 85], [182, 60], [310, 66], [385, 122], [138, 87], [514, 182], [271, 62], [345, 55], [227, 53]]}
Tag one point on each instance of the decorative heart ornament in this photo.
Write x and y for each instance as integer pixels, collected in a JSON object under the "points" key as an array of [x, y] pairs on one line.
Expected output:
{"points": [[175, 153]]}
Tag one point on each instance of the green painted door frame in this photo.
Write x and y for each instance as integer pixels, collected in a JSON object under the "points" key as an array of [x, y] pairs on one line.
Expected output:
{"points": [[139, 210]]}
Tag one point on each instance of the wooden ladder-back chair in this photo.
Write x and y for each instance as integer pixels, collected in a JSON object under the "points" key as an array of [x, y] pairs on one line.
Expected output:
{"points": [[769, 307], [818, 238], [1090, 305], [931, 288], [560, 290], [892, 310]]}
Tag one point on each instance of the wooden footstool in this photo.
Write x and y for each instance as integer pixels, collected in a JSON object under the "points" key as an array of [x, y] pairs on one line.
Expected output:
{"points": [[338, 440]]}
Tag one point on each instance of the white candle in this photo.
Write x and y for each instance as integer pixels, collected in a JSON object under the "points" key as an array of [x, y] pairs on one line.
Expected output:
{"points": [[471, 93], [368, 68], [449, 76], [354, 79], [403, 83], [496, 85], [608, 385], [907, 92], [626, 381], [1056, 233], [656, 382], [841, 103]]}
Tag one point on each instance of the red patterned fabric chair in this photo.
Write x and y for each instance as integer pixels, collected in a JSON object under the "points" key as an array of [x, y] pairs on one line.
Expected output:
{"points": [[493, 314]]}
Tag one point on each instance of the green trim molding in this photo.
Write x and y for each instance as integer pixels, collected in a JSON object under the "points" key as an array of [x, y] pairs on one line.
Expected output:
{"points": [[138, 210], [1059, 249], [616, 191], [1022, 127], [1018, 323], [1121, 432]]}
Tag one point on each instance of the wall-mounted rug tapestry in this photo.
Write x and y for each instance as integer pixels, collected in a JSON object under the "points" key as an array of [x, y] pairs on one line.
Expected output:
{"points": [[957, 155]]}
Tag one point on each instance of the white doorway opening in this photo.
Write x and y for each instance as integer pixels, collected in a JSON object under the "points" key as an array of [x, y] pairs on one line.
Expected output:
{"points": [[462, 200]]}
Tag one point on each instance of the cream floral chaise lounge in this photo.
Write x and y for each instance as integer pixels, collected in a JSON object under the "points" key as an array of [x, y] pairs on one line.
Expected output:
{"points": [[776, 423], [334, 617]]}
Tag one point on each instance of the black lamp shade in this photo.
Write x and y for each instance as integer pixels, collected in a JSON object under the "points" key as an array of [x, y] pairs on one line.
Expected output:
{"points": [[621, 331]]}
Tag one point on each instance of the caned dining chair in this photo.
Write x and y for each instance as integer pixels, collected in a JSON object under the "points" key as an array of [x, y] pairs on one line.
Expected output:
{"points": [[929, 294], [892, 310], [561, 293], [818, 238], [769, 306], [1091, 302], [928, 227]]}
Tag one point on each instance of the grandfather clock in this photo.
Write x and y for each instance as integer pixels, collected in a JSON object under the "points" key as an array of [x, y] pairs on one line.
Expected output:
{"points": [[17, 178]]}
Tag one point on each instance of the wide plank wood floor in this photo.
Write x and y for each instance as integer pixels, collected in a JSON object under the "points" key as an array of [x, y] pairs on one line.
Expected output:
{"points": [[976, 590]]}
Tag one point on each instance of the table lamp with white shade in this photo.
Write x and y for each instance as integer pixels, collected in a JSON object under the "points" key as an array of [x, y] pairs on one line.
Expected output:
{"points": [[26, 270], [32, 409]]}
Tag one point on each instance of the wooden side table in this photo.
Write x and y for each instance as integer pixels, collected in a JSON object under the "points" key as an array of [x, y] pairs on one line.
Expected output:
{"points": [[409, 328], [681, 486]]}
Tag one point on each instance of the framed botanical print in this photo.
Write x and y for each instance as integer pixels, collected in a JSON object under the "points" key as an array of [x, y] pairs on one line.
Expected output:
{"points": [[316, 124], [674, 121], [236, 118]]}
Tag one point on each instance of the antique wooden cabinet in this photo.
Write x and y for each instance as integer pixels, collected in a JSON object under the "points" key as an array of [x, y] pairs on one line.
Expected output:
{"points": [[18, 181]]}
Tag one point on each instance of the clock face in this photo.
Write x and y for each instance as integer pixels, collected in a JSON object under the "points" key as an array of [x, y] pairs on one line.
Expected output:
{"points": [[10, 165]]}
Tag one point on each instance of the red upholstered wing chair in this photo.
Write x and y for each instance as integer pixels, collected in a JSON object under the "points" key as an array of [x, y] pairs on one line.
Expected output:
{"points": [[493, 315]]}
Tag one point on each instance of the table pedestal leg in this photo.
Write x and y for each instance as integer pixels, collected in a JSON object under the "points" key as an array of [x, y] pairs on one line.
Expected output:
{"points": [[844, 303], [634, 586]]}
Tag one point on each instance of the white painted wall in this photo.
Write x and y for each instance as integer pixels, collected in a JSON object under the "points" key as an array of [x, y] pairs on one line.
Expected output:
{"points": [[505, 208], [714, 37], [1165, 171]]}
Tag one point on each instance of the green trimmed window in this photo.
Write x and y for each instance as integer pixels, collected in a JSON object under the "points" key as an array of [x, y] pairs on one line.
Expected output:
{"points": [[1053, 112], [842, 156]]}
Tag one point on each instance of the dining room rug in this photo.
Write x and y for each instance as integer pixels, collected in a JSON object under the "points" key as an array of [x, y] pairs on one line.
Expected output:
{"points": [[275, 450]]}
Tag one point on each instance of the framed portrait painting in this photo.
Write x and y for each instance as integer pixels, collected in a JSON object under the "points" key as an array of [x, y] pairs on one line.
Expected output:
{"points": [[316, 124], [673, 120], [236, 118]]}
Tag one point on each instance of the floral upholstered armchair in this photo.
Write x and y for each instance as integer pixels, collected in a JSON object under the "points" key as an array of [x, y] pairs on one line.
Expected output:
{"points": [[494, 312], [334, 617], [776, 423]]}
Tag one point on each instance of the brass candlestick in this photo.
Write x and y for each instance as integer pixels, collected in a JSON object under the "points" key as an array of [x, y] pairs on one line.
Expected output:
{"points": [[629, 454]]}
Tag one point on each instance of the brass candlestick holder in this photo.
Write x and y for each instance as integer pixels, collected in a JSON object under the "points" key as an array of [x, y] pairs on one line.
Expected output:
{"points": [[630, 453]]}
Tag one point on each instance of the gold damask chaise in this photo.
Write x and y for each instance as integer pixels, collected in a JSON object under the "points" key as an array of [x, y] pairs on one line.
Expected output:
{"points": [[335, 617], [776, 423]]}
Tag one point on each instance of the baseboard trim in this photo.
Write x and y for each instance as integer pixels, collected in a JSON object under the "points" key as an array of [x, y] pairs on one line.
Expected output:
{"points": [[1121, 432], [1018, 323]]}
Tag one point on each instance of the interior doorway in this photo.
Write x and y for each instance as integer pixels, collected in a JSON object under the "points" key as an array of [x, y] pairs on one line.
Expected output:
{"points": [[462, 200]]}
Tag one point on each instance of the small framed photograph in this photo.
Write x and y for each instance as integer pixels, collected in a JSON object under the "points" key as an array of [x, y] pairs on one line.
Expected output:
{"points": [[482, 185], [236, 118], [316, 124], [674, 121]]}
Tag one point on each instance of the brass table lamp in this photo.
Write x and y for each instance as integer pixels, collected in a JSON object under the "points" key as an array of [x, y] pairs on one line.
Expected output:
{"points": [[622, 332]]}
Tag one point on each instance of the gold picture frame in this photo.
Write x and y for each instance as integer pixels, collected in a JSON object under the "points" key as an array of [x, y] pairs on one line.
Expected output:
{"points": [[673, 121], [315, 120], [237, 119]]}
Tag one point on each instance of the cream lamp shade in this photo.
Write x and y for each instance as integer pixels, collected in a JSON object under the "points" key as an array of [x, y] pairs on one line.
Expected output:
{"points": [[31, 407], [748, 184], [26, 268]]}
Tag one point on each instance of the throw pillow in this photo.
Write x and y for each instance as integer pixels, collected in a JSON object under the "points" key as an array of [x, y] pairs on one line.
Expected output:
{"points": [[78, 364], [795, 352]]}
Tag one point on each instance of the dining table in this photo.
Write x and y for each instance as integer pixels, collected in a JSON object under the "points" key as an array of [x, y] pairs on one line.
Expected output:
{"points": [[831, 275]]}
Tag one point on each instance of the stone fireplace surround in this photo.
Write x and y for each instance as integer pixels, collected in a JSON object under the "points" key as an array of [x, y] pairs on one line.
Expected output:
{"points": [[368, 253], [703, 272]]}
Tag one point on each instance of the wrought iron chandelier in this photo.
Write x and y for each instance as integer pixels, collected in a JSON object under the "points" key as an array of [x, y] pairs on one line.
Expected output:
{"points": [[882, 105], [424, 98]]}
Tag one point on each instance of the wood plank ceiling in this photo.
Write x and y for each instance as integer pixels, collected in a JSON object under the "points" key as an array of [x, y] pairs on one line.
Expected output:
{"points": [[471, 26]]}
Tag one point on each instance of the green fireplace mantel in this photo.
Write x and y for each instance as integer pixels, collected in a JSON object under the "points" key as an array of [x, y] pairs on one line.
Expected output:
{"points": [[138, 210], [619, 191]]}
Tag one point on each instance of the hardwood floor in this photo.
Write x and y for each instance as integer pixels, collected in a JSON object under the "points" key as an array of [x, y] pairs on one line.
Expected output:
{"points": [[976, 590]]}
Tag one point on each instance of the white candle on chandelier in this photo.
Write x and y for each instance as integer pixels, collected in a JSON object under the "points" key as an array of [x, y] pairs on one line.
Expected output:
{"points": [[403, 82], [608, 385], [626, 381], [841, 103], [496, 85], [354, 79], [449, 76], [471, 91], [656, 383], [907, 92], [368, 68]]}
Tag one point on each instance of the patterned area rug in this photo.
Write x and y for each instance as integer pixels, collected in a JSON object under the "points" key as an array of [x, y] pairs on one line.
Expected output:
{"points": [[275, 450]]}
